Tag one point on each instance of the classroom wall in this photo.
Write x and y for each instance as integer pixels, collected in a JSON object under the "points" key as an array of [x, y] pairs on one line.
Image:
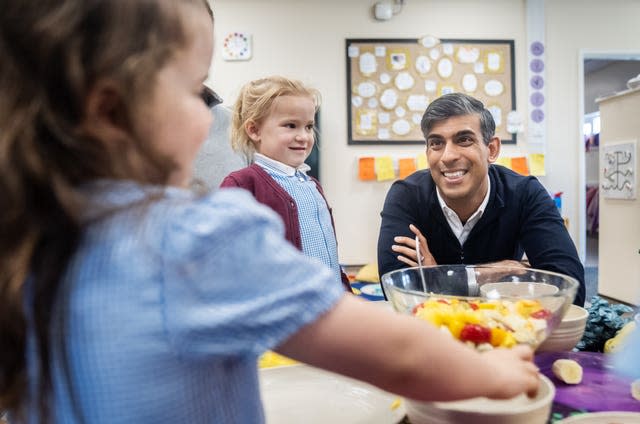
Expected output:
{"points": [[573, 26], [305, 39]]}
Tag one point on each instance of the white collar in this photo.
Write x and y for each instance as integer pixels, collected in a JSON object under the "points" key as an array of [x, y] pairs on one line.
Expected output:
{"points": [[480, 209], [277, 166]]}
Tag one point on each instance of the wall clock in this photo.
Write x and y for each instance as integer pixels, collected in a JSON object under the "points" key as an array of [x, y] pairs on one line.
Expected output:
{"points": [[237, 46]]}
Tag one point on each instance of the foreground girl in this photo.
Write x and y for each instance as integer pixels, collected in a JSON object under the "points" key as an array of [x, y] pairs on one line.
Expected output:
{"points": [[125, 297]]}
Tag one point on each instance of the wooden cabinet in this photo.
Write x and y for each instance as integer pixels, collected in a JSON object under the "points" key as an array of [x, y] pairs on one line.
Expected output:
{"points": [[619, 237]]}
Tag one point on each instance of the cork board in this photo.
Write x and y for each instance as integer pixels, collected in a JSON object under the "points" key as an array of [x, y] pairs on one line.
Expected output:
{"points": [[390, 83]]}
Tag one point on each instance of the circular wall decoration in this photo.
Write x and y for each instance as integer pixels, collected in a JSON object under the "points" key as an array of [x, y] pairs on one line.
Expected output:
{"points": [[537, 82], [536, 65], [469, 83], [366, 89], [537, 48], [423, 64], [401, 127], [236, 46], [537, 115], [493, 88], [445, 68], [404, 81], [389, 99]]}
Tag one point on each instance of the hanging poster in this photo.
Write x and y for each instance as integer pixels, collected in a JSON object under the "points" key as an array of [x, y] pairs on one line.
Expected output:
{"points": [[618, 180], [390, 83]]}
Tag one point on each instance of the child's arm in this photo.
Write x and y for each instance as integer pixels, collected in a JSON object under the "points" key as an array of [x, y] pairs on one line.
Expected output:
{"points": [[404, 355]]}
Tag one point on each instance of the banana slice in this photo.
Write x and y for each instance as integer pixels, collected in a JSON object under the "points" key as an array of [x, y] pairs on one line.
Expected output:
{"points": [[635, 389], [567, 370]]}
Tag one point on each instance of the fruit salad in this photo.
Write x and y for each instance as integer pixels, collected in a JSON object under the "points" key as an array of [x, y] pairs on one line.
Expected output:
{"points": [[486, 324]]}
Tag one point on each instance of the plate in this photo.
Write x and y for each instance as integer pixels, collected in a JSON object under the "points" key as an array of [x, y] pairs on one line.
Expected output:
{"points": [[369, 291], [304, 394], [372, 290], [603, 418]]}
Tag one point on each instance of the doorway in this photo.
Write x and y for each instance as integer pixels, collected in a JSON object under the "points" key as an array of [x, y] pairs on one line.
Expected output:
{"points": [[601, 73]]}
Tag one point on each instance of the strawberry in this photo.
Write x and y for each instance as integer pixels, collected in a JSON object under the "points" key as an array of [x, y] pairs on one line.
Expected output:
{"points": [[541, 314], [417, 308], [475, 333]]}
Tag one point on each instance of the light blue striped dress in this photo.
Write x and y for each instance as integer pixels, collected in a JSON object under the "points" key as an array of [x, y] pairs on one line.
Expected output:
{"points": [[167, 305]]}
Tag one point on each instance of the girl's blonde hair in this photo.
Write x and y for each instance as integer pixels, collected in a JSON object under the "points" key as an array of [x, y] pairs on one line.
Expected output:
{"points": [[255, 102], [52, 55]]}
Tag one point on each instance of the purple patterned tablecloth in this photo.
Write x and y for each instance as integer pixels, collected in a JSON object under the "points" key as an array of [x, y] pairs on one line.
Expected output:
{"points": [[600, 390]]}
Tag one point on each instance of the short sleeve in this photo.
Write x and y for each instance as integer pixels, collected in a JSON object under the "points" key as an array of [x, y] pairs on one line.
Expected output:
{"points": [[232, 285]]}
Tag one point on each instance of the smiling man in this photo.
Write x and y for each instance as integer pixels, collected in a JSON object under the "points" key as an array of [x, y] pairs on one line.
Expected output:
{"points": [[465, 209]]}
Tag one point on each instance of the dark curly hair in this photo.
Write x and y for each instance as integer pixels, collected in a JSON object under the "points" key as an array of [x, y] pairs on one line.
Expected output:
{"points": [[52, 53]]}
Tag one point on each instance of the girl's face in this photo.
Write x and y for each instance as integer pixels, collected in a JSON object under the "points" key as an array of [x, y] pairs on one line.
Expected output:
{"points": [[175, 119], [286, 134]]}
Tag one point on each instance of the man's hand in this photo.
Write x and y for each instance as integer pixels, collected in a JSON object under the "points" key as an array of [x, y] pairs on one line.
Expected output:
{"points": [[508, 267], [508, 263], [406, 249]]}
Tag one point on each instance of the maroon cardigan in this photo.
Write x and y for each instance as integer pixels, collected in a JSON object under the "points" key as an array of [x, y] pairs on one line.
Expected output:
{"points": [[268, 192]]}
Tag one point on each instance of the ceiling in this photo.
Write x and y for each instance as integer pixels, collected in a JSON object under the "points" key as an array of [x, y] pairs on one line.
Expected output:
{"points": [[592, 65]]}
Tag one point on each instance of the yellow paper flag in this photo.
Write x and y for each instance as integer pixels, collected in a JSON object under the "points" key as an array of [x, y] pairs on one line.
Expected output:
{"points": [[536, 161], [504, 161], [406, 167], [422, 161], [384, 168]]}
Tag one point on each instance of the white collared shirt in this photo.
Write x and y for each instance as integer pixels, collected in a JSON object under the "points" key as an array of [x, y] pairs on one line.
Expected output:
{"points": [[462, 231], [268, 163]]}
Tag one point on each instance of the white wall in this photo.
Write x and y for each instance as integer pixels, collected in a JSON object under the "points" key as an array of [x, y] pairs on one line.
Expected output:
{"points": [[573, 26], [305, 39]]}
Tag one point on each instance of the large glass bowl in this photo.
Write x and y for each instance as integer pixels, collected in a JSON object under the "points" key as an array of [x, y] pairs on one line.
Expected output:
{"points": [[484, 306]]}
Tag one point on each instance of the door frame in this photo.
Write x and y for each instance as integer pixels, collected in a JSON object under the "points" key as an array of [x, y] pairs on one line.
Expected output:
{"points": [[582, 173]]}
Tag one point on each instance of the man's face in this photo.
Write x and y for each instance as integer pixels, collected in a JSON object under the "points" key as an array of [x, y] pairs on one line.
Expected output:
{"points": [[459, 161]]}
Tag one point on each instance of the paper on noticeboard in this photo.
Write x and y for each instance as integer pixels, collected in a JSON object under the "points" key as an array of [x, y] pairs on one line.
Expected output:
{"points": [[366, 168], [421, 159], [406, 167], [384, 167], [504, 161], [519, 165], [536, 163]]}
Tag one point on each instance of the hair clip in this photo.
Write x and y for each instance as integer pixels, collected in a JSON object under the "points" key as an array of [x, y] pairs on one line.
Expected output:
{"points": [[210, 97]]}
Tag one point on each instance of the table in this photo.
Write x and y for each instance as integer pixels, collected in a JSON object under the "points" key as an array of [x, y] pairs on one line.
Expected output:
{"points": [[600, 390]]}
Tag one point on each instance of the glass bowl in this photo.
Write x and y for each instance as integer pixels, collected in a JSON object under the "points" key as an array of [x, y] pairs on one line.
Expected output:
{"points": [[465, 300]]}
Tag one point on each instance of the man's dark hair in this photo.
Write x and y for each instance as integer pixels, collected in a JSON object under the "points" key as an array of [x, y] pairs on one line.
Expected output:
{"points": [[457, 104]]}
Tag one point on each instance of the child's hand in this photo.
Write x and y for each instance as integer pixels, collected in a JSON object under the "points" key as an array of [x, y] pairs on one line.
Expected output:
{"points": [[513, 372]]}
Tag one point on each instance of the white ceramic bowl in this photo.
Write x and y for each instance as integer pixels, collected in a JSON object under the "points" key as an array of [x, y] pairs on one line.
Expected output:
{"points": [[519, 410], [569, 331], [516, 289]]}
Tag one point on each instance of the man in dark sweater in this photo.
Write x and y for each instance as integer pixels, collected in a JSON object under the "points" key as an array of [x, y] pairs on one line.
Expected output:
{"points": [[465, 210]]}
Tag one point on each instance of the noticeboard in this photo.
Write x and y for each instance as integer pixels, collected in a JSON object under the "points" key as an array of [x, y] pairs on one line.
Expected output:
{"points": [[390, 83]]}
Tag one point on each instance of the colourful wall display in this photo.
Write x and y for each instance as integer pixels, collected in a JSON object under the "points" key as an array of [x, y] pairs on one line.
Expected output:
{"points": [[390, 83]]}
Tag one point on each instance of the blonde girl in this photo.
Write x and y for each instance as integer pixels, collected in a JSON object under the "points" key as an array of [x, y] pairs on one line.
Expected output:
{"points": [[273, 125]]}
